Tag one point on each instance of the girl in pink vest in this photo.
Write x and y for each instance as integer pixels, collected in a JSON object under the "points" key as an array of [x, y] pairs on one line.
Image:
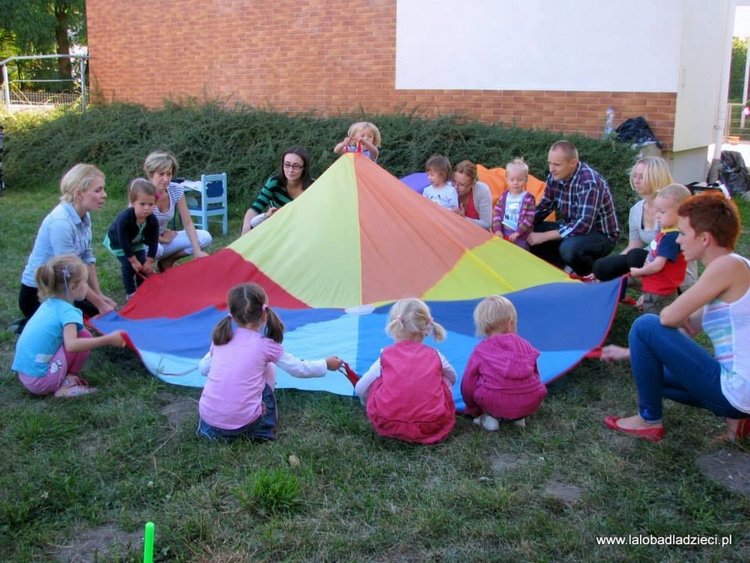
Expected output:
{"points": [[407, 391], [501, 380]]}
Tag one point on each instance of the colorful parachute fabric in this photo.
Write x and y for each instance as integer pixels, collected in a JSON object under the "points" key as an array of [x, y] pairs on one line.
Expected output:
{"points": [[333, 261]]}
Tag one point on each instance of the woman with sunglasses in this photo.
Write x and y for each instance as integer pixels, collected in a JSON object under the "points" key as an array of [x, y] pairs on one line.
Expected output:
{"points": [[292, 179]]}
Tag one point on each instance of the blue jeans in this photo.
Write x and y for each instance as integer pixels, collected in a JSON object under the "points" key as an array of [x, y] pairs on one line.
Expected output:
{"points": [[666, 363], [577, 251], [262, 428]]}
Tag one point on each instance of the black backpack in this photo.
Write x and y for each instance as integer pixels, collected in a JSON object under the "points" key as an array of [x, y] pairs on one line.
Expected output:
{"points": [[733, 173], [636, 130]]}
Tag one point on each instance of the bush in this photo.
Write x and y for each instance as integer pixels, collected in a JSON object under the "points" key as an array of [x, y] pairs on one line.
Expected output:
{"points": [[246, 143]]}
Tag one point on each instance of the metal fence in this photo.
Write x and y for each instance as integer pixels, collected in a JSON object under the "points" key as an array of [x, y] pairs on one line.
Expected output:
{"points": [[737, 126], [20, 94]]}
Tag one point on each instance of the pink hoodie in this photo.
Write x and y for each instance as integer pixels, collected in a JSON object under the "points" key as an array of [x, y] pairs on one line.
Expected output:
{"points": [[502, 379]]}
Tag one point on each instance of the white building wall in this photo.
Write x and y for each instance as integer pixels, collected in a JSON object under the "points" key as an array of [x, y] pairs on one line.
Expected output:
{"points": [[702, 56], [679, 46], [576, 45]]}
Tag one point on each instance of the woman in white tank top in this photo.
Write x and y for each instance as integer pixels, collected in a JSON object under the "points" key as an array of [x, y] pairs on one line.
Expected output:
{"points": [[666, 361]]}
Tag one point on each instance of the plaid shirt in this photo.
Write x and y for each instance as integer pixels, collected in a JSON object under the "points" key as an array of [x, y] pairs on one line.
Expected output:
{"points": [[583, 204]]}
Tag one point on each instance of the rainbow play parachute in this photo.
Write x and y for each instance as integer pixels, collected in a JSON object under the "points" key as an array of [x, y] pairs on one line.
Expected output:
{"points": [[333, 261]]}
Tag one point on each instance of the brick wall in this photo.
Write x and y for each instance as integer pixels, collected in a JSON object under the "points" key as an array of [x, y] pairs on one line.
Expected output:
{"points": [[328, 56]]}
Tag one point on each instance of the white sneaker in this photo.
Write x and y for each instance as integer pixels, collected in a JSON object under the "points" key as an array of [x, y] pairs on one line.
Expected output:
{"points": [[520, 422], [487, 422]]}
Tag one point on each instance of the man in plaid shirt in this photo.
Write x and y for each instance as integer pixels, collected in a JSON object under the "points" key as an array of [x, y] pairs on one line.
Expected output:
{"points": [[586, 226]]}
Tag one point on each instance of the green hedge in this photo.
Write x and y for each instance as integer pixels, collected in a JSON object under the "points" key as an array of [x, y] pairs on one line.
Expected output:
{"points": [[246, 143]]}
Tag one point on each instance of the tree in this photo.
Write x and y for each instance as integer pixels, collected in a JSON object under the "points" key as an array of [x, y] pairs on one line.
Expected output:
{"points": [[737, 73], [43, 26]]}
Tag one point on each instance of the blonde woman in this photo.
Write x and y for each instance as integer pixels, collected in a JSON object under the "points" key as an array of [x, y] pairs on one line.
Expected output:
{"points": [[67, 230], [646, 178]]}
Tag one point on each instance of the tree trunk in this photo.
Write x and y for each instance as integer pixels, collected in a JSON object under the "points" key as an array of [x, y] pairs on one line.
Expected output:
{"points": [[63, 44]]}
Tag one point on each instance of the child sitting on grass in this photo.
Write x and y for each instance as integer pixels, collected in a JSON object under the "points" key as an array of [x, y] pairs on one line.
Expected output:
{"points": [[363, 137], [664, 271], [238, 398], [134, 236], [501, 379], [54, 346], [407, 391]]}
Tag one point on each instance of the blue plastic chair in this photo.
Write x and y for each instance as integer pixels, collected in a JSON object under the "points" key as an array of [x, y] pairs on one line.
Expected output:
{"points": [[211, 201]]}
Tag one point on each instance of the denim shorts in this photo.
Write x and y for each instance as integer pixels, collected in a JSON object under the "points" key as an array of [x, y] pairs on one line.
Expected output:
{"points": [[262, 428]]}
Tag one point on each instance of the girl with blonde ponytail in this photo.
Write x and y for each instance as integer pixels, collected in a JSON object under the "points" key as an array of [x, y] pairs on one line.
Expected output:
{"points": [[407, 391]]}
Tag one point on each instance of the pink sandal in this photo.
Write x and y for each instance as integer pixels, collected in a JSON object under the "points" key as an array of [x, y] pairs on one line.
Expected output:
{"points": [[74, 386]]}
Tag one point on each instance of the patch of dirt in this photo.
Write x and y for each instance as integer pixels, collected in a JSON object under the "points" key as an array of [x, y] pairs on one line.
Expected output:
{"points": [[563, 492], [99, 544], [500, 462], [179, 411], [93, 445], [730, 469]]}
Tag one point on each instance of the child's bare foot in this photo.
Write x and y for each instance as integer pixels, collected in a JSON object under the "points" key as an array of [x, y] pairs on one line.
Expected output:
{"points": [[614, 353]]}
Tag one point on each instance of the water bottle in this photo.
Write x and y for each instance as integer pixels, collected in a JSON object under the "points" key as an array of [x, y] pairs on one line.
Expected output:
{"points": [[609, 124]]}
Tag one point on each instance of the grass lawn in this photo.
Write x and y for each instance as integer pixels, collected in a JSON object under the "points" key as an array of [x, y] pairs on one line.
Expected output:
{"points": [[79, 476]]}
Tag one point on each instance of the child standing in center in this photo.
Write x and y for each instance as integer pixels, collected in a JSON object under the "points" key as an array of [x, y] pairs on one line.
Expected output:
{"points": [[134, 236], [440, 190], [238, 398], [665, 267], [501, 379], [407, 391], [513, 218], [363, 137]]}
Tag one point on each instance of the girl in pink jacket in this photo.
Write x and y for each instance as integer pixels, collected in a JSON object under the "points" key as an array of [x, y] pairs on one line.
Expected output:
{"points": [[407, 391], [501, 380]]}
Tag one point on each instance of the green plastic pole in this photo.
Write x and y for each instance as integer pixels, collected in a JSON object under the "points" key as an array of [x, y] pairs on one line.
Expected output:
{"points": [[148, 543]]}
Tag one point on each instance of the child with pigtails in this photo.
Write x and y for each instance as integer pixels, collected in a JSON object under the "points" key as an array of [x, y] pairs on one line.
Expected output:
{"points": [[238, 398]]}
